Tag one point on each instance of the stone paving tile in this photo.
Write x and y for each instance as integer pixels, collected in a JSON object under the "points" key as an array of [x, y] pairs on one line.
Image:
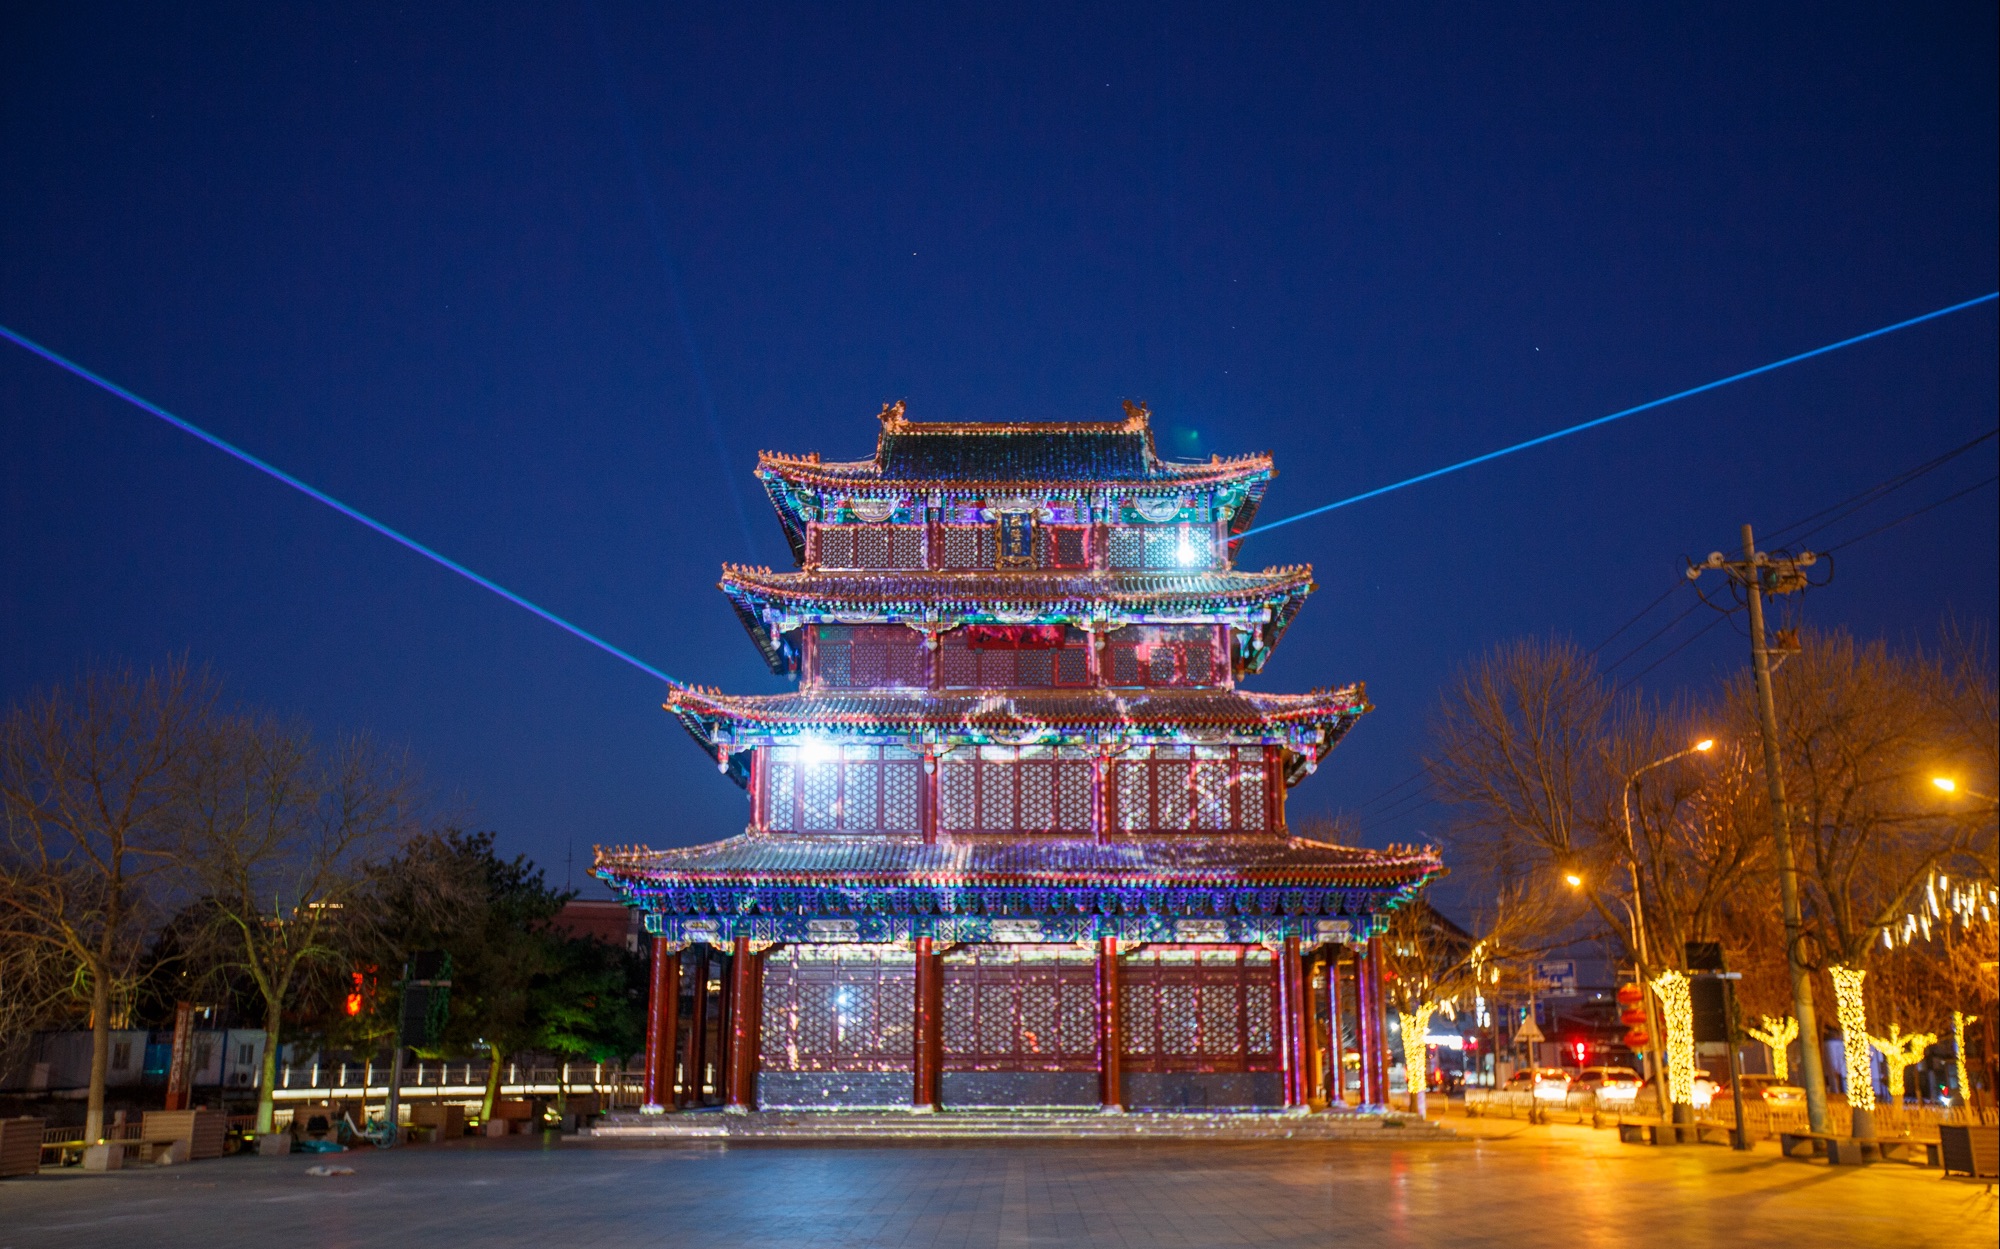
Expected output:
{"points": [[1508, 1186]]}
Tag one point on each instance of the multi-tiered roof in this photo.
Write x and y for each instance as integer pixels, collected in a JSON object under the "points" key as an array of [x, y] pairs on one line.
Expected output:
{"points": [[985, 600]]}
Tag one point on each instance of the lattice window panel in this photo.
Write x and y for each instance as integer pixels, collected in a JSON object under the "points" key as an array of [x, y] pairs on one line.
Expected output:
{"points": [[861, 789], [1135, 790], [1139, 1013], [1062, 546], [1076, 779], [960, 1018], [1126, 548], [1037, 795], [819, 791], [1170, 788], [780, 802], [998, 782], [902, 781], [838, 1008], [962, 667], [1161, 547], [861, 794], [869, 657], [1199, 1008], [968, 546], [958, 794], [1250, 789], [1211, 788], [1163, 656], [1020, 1008], [870, 546]]}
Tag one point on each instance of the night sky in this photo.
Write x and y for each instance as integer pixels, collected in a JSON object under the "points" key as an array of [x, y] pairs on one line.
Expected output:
{"points": [[536, 285]]}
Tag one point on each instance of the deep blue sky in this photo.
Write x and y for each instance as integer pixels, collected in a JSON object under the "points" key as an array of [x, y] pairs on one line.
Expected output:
{"points": [[535, 285]]}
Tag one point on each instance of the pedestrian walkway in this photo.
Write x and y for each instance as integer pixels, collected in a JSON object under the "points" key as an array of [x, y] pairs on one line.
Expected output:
{"points": [[1502, 1184]]}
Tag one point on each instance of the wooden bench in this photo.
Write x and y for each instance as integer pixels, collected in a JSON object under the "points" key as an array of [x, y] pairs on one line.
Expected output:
{"points": [[1841, 1151]]}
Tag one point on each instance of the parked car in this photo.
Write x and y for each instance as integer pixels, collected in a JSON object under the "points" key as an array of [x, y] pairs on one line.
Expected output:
{"points": [[1614, 1086], [1768, 1089], [1548, 1084]]}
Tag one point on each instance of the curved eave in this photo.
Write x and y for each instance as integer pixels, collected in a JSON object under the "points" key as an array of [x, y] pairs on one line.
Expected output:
{"points": [[754, 860], [772, 604], [1308, 726]]}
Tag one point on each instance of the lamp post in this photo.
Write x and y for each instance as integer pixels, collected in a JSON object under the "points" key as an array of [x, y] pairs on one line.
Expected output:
{"points": [[1640, 949]]}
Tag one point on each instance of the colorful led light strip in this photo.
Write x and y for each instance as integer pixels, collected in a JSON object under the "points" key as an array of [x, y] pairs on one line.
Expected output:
{"points": [[1616, 416], [354, 514]]}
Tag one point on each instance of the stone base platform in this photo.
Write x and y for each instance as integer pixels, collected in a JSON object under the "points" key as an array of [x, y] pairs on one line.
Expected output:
{"points": [[1014, 1125]]}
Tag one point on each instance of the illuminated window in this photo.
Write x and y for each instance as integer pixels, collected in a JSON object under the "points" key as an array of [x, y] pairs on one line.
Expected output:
{"points": [[838, 1008], [1199, 1008], [1009, 789], [841, 789], [1175, 789], [1165, 656], [1020, 1008]]}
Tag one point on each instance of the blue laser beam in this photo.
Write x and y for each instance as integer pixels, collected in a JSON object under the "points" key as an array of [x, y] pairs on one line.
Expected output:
{"points": [[1615, 416], [188, 427]]}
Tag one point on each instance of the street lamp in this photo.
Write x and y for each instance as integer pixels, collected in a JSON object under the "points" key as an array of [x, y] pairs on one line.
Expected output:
{"points": [[1951, 786], [1701, 747]]}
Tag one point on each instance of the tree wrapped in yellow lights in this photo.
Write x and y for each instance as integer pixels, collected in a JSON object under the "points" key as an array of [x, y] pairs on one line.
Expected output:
{"points": [[1777, 1034], [1854, 1042], [1416, 1027], [1899, 1053], [1958, 1021], [1677, 1012]]}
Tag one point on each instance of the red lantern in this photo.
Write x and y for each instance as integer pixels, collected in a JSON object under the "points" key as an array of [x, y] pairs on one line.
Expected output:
{"points": [[1632, 1018], [1628, 994], [1636, 1039]]}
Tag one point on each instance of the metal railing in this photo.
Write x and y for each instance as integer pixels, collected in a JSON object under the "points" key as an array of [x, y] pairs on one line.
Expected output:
{"points": [[1760, 1121], [430, 1080]]}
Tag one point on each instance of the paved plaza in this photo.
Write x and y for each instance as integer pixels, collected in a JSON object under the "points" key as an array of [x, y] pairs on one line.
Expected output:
{"points": [[1504, 1184]]}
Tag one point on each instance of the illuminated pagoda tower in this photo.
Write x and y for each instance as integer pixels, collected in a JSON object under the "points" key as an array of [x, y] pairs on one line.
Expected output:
{"points": [[1018, 839]]}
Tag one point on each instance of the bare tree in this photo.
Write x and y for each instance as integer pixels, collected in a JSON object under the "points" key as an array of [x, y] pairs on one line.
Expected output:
{"points": [[276, 834], [89, 775]]}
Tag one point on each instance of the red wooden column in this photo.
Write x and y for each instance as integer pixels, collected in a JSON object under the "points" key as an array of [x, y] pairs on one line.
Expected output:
{"points": [[745, 965], [663, 1025], [695, 1057], [928, 1060], [1314, 1092], [179, 1079], [1336, 971], [1291, 1018], [1368, 996], [1110, 1029]]}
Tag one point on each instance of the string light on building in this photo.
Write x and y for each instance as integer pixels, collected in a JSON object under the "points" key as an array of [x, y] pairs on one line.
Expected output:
{"points": [[1677, 1008], [1854, 1038], [1777, 1034]]}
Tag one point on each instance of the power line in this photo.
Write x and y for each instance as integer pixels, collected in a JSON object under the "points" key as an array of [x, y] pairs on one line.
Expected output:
{"points": [[1913, 515], [1881, 490], [1632, 411], [312, 492]]}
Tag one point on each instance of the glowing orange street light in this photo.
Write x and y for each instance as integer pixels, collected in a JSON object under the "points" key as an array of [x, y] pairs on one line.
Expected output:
{"points": [[1575, 881]]}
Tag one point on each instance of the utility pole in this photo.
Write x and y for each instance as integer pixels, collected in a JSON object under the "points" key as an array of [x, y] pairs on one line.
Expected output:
{"points": [[1760, 573]]}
